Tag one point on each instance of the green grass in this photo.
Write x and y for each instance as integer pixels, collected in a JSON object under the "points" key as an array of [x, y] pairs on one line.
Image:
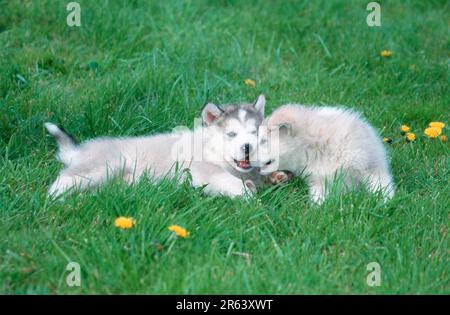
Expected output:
{"points": [[136, 68]]}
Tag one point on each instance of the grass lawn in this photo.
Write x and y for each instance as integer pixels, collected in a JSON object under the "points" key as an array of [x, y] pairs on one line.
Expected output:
{"points": [[138, 67]]}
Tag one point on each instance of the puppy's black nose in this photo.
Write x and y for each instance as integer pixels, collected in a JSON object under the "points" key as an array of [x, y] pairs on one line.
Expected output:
{"points": [[246, 147]]}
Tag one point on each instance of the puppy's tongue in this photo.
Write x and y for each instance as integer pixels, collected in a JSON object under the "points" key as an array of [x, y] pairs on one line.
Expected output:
{"points": [[243, 164]]}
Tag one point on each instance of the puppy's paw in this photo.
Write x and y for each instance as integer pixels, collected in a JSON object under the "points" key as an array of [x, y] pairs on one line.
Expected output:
{"points": [[250, 186], [280, 177]]}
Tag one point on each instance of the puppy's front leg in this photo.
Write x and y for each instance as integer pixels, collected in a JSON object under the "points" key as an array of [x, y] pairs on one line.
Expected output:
{"points": [[317, 190], [228, 185]]}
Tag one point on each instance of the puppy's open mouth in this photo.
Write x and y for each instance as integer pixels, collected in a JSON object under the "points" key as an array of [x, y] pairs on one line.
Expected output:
{"points": [[244, 164]]}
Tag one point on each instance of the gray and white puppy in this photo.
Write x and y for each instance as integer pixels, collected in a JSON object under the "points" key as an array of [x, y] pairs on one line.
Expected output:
{"points": [[217, 154]]}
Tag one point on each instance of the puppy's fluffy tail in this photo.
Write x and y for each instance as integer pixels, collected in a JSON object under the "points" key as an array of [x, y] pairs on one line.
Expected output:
{"points": [[66, 144]]}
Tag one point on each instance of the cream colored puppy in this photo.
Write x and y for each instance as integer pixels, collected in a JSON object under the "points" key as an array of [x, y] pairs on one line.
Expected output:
{"points": [[320, 143]]}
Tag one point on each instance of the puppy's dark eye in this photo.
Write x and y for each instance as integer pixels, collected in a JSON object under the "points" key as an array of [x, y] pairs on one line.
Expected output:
{"points": [[270, 162], [231, 134]]}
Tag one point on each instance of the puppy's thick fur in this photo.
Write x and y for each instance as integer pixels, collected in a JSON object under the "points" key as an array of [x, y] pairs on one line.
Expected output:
{"points": [[321, 143]]}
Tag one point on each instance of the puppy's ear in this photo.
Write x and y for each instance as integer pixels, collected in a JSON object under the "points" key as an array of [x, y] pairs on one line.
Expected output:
{"points": [[282, 126], [210, 113], [260, 103], [285, 127]]}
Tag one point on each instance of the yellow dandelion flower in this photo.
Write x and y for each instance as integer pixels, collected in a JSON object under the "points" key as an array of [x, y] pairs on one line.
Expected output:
{"points": [[179, 231], [443, 138], [250, 82], [386, 53], [433, 132], [404, 129], [410, 137], [437, 124], [387, 140], [124, 222]]}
